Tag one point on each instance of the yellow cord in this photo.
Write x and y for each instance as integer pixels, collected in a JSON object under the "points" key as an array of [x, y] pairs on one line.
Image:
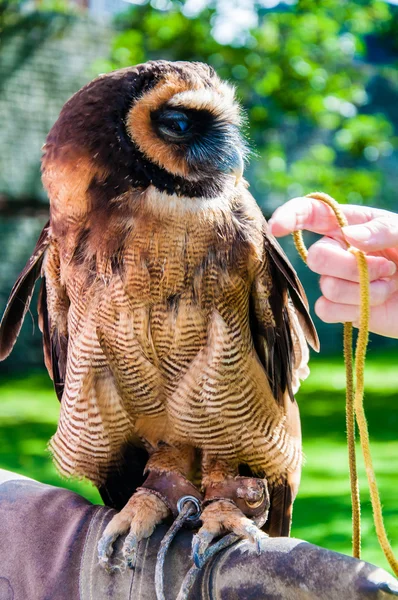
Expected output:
{"points": [[354, 400], [352, 459]]}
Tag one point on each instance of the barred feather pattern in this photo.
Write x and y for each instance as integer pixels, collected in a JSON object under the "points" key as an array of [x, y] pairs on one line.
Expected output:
{"points": [[160, 346]]}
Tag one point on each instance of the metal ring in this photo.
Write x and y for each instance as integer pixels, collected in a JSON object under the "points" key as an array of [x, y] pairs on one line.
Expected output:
{"points": [[256, 503], [184, 500]]}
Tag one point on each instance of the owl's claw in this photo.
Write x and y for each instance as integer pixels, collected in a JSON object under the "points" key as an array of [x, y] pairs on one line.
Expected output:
{"points": [[257, 537], [200, 543], [201, 555], [130, 550], [105, 549], [138, 518], [220, 517]]}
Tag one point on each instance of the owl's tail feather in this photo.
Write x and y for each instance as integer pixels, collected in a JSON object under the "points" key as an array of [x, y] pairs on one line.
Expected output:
{"points": [[281, 504]]}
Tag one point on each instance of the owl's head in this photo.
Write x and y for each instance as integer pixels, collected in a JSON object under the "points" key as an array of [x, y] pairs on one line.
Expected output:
{"points": [[175, 126]]}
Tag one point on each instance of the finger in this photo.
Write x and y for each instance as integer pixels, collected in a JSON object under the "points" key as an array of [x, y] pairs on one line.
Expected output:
{"points": [[316, 216], [347, 292], [328, 257], [333, 312], [303, 213], [382, 318], [377, 234]]}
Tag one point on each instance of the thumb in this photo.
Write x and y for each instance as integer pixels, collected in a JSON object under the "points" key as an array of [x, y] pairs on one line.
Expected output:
{"points": [[378, 234]]}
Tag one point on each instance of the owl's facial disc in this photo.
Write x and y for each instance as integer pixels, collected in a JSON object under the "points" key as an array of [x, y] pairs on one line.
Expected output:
{"points": [[192, 131], [205, 141]]}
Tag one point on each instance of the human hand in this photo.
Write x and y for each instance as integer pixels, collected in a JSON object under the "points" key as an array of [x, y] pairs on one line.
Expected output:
{"points": [[372, 230]]}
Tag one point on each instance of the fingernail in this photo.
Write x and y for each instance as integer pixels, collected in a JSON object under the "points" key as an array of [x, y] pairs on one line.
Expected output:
{"points": [[277, 229], [358, 233]]}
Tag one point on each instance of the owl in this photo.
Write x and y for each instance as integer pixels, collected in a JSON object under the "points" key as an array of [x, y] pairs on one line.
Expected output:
{"points": [[174, 327]]}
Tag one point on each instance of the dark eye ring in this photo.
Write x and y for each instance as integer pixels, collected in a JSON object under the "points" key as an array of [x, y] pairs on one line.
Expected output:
{"points": [[173, 124]]}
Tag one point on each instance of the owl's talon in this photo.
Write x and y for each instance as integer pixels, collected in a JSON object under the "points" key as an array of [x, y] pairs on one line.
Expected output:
{"points": [[105, 549], [131, 561], [130, 550], [257, 537], [219, 517], [200, 542], [201, 557]]}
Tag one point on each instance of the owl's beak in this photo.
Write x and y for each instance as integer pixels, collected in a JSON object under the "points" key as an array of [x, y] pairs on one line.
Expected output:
{"points": [[228, 156], [235, 165], [238, 168]]}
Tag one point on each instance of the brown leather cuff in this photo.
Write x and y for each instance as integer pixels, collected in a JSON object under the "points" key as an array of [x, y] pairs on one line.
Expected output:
{"points": [[170, 487], [250, 495]]}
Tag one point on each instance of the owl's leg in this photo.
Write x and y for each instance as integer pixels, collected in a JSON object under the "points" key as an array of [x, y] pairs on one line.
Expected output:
{"points": [[167, 467], [229, 501]]}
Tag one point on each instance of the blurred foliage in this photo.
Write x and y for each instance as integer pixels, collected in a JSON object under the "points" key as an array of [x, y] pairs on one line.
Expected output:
{"points": [[302, 76], [33, 28], [17, 15]]}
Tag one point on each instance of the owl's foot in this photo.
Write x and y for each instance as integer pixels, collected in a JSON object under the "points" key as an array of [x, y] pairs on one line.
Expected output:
{"points": [[142, 513], [158, 498], [218, 518], [230, 504]]}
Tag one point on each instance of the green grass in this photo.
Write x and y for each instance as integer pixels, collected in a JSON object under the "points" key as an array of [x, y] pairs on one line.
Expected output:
{"points": [[29, 412], [322, 515]]}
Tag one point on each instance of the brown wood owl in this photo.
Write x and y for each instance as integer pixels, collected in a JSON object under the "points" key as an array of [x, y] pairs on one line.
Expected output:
{"points": [[174, 327]]}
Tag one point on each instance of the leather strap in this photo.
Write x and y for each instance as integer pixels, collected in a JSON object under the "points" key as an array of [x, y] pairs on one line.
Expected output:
{"points": [[250, 494], [170, 487]]}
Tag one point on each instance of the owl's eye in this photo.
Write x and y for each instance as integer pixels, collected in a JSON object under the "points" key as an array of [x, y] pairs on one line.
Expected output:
{"points": [[173, 124]]}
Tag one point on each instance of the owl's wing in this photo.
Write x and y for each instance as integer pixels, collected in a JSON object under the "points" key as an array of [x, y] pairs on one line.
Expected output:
{"points": [[280, 321], [54, 343], [21, 295], [282, 328]]}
